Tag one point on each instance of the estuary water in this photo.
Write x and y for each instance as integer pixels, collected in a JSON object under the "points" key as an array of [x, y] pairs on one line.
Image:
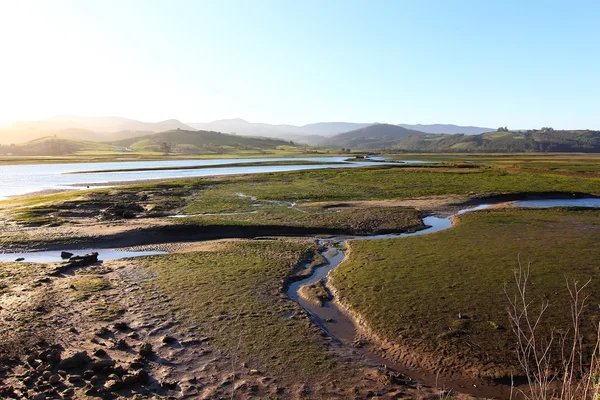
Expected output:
{"points": [[18, 180]]}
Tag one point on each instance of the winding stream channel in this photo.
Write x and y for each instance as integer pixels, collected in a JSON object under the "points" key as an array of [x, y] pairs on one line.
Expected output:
{"points": [[340, 327]]}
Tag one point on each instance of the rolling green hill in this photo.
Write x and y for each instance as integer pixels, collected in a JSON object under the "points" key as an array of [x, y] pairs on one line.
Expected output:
{"points": [[377, 136], [54, 146], [174, 141], [198, 142]]}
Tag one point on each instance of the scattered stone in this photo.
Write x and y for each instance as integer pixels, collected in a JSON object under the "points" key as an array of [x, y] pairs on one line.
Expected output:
{"points": [[62, 373], [121, 345], [87, 374], [136, 365], [254, 372], [121, 326], [114, 377], [146, 350], [129, 380], [100, 353], [99, 365], [65, 255], [133, 335], [142, 376], [53, 379], [39, 396], [46, 375], [169, 339], [75, 378], [170, 385], [75, 361], [94, 380], [83, 261], [18, 260], [102, 331]]}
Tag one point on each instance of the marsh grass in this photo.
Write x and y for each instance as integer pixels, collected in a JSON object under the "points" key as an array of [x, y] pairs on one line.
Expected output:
{"points": [[438, 292], [233, 295]]}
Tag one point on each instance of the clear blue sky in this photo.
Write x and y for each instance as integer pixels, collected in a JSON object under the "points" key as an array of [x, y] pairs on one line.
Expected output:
{"points": [[523, 64]]}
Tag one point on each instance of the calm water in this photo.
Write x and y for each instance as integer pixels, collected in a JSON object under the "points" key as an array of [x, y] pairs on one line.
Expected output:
{"points": [[547, 203], [22, 179], [54, 256]]}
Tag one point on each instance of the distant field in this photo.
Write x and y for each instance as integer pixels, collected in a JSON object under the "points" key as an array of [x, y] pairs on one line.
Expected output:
{"points": [[444, 293]]}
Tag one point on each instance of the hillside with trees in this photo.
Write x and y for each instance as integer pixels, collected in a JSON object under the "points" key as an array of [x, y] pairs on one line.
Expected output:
{"points": [[501, 141]]}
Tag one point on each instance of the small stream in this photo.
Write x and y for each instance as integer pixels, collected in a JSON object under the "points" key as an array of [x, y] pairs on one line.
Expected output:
{"points": [[340, 327]]}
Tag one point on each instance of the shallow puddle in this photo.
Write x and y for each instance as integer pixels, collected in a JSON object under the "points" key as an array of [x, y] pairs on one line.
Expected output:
{"points": [[54, 255]]}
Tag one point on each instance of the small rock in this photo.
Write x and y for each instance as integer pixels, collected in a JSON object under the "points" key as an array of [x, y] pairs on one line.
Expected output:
{"points": [[146, 350], [169, 339], [88, 374], [62, 373], [142, 376], [53, 379], [133, 335], [68, 393], [94, 380], [18, 260], [46, 375], [129, 380], [254, 372], [136, 365], [39, 396], [65, 255], [121, 326], [102, 331], [99, 365], [75, 378], [75, 361], [113, 385], [121, 344], [114, 377], [170, 385], [99, 352]]}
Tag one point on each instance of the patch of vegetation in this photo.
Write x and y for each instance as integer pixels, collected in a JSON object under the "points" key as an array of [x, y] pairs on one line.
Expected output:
{"points": [[443, 293], [106, 312], [85, 286], [233, 295]]}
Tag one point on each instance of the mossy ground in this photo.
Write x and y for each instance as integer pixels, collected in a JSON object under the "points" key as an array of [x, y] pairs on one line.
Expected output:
{"points": [[233, 295], [445, 292]]}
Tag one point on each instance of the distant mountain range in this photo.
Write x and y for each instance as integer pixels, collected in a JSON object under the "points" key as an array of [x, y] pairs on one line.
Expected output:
{"points": [[117, 128], [318, 133]]}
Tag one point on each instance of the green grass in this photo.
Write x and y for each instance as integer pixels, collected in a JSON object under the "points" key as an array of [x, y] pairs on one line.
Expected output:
{"points": [[86, 286], [232, 294], [275, 191], [412, 290]]}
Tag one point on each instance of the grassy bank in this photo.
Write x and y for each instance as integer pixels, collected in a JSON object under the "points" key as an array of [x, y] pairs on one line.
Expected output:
{"points": [[232, 295], [444, 293]]}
